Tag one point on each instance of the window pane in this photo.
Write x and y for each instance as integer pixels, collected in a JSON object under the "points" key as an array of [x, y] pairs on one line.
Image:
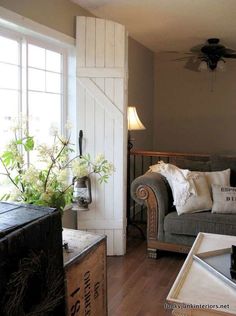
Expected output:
{"points": [[9, 76], [9, 51], [44, 111], [36, 56], [8, 112], [36, 80], [53, 61], [53, 82]]}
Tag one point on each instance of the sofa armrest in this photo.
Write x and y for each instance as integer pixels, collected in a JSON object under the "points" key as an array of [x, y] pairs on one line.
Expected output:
{"points": [[152, 189]]}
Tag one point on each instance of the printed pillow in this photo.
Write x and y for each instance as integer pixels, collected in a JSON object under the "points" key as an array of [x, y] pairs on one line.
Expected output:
{"points": [[201, 201], [224, 199]]}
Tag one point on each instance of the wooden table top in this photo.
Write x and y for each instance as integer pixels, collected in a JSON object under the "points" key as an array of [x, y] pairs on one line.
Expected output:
{"points": [[79, 243]]}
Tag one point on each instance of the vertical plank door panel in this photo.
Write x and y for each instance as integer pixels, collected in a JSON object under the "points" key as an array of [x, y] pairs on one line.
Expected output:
{"points": [[102, 114]]}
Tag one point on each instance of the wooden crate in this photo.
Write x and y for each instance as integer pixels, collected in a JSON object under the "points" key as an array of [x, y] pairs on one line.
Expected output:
{"points": [[85, 272], [31, 261]]}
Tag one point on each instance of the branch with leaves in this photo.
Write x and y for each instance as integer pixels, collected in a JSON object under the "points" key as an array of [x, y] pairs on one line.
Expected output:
{"points": [[49, 184]]}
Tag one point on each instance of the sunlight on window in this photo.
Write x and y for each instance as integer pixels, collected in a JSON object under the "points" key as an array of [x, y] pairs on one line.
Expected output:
{"points": [[53, 61], [9, 52], [36, 79], [35, 90], [9, 86], [36, 57], [9, 92], [45, 110], [45, 91]]}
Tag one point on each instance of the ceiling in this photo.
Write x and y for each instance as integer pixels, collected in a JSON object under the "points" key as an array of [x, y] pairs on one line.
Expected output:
{"points": [[170, 25]]}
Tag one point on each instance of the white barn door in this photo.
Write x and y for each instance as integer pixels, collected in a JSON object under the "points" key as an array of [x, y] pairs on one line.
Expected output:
{"points": [[101, 110]]}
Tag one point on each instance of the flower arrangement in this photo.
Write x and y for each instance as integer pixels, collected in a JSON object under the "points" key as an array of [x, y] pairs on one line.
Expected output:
{"points": [[47, 181]]}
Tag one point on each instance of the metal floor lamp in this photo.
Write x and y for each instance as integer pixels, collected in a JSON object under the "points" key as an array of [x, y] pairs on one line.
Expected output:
{"points": [[134, 124]]}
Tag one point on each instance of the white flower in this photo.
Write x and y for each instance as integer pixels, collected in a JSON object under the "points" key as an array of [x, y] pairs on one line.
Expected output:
{"points": [[100, 157], [53, 130], [79, 169], [46, 196], [45, 152], [110, 168], [62, 177], [68, 125], [31, 175], [15, 194]]}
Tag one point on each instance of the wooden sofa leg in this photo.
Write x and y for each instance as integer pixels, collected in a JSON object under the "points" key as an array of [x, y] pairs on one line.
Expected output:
{"points": [[152, 253]]}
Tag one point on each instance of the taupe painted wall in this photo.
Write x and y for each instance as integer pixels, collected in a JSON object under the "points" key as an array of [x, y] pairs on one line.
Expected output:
{"points": [[56, 14], [188, 116], [141, 93]]}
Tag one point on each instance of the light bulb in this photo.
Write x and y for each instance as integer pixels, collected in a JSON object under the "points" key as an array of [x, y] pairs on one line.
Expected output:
{"points": [[203, 66], [221, 66]]}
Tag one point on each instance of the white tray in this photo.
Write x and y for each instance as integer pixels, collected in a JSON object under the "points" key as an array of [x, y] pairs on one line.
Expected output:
{"points": [[217, 262]]}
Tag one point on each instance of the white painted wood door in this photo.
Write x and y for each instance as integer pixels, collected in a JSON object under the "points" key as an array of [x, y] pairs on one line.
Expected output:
{"points": [[101, 48]]}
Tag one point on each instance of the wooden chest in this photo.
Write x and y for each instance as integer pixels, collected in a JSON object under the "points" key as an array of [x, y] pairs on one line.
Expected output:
{"points": [[31, 261], [85, 272]]}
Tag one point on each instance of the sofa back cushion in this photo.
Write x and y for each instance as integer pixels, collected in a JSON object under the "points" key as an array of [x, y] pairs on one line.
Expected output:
{"points": [[193, 164], [220, 163]]}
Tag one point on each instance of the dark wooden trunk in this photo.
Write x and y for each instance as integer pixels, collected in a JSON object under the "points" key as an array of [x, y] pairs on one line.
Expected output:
{"points": [[31, 262]]}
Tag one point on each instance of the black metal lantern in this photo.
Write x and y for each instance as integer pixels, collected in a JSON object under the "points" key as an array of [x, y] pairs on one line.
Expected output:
{"points": [[82, 195]]}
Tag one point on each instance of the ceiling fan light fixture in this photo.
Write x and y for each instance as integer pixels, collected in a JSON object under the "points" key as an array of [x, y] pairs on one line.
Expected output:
{"points": [[221, 66], [203, 66]]}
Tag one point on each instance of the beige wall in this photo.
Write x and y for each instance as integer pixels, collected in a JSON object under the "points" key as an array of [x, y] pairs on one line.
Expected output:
{"points": [[141, 93], [188, 116], [57, 14]]}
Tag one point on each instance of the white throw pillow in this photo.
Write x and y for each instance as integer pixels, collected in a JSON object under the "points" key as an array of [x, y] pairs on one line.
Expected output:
{"points": [[200, 202], [180, 181], [224, 199]]}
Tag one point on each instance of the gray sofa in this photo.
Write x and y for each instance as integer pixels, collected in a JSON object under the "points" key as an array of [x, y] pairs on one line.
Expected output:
{"points": [[166, 230]]}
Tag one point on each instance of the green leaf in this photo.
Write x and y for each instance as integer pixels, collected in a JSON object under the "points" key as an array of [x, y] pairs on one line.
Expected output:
{"points": [[29, 143], [8, 157]]}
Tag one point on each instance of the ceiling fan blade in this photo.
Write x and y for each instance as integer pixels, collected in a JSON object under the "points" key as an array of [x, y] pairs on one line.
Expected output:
{"points": [[168, 52], [193, 64], [229, 55], [196, 49], [229, 51], [180, 59]]}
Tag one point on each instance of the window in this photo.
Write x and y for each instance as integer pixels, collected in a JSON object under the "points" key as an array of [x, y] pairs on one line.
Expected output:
{"points": [[9, 85], [32, 82]]}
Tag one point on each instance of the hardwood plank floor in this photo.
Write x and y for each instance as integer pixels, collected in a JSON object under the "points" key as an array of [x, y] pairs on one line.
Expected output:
{"points": [[138, 286]]}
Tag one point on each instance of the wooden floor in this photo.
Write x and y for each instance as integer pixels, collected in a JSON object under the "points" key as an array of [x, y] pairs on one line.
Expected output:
{"points": [[138, 286]]}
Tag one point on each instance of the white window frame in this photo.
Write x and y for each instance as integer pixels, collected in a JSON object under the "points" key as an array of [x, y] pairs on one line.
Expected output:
{"points": [[18, 27]]}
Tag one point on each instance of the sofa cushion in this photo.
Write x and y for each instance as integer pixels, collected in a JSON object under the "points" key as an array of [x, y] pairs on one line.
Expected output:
{"points": [[192, 224], [220, 163]]}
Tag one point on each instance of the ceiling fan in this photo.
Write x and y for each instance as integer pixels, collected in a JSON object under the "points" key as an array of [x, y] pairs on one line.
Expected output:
{"points": [[210, 56]]}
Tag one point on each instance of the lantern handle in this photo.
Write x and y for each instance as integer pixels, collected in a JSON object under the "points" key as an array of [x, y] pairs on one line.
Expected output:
{"points": [[80, 142]]}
